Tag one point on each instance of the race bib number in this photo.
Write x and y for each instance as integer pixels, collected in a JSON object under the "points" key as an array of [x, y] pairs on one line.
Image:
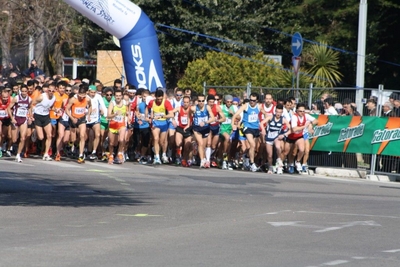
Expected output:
{"points": [[253, 117], [65, 117], [273, 135], [22, 112], [118, 118], [184, 120], [3, 114], [142, 116], [79, 111], [227, 121], [202, 119]]}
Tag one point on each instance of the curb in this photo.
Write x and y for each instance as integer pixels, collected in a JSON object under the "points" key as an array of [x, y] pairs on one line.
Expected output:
{"points": [[332, 172]]}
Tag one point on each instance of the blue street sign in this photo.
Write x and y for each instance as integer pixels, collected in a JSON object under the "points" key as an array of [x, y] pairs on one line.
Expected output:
{"points": [[297, 44]]}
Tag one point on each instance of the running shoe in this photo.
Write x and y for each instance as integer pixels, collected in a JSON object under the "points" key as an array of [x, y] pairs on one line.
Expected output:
{"points": [[203, 163], [111, 159], [207, 164], [121, 158], [165, 159], [291, 169], [1, 153], [58, 157], [270, 170], [157, 161], [253, 167], [126, 158], [304, 168], [178, 161], [230, 166], [279, 170], [8, 153], [214, 164], [81, 160], [104, 157], [47, 158], [93, 156], [189, 163], [299, 168], [143, 160], [18, 158], [224, 165], [184, 163]]}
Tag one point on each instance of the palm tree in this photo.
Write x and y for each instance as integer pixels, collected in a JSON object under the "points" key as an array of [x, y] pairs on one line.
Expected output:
{"points": [[323, 65]]}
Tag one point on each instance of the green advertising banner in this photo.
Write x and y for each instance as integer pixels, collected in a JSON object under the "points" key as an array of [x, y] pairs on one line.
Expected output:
{"points": [[357, 134]]}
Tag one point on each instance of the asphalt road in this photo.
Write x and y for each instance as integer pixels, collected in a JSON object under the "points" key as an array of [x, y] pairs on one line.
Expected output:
{"points": [[65, 214]]}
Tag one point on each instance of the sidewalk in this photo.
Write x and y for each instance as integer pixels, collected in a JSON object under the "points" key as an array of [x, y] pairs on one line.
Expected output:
{"points": [[355, 173]]}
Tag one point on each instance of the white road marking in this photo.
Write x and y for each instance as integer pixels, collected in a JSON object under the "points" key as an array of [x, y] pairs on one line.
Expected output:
{"points": [[107, 166], [392, 251], [333, 263], [321, 228], [348, 214], [350, 224]]}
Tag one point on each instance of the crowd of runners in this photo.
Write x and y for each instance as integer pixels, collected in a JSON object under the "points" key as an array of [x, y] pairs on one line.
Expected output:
{"points": [[59, 119]]}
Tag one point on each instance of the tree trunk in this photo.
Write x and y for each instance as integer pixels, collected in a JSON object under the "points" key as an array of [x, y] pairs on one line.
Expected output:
{"points": [[5, 36]]}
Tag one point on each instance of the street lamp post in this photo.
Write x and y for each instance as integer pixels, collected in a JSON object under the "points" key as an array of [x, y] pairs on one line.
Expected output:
{"points": [[362, 36]]}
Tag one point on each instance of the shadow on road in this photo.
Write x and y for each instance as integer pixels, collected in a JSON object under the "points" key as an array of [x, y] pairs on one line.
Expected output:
{"points": [[29, 189]]}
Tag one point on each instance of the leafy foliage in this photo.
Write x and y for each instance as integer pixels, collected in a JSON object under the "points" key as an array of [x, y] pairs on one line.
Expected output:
{"points": [[223, 69]]}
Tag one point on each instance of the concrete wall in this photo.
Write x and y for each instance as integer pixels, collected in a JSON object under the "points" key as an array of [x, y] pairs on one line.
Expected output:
{"points": [[109, 66]]}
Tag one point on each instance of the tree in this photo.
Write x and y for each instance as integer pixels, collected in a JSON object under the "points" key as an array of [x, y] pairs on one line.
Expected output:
{"points": [[229, 70], [323, 65]]}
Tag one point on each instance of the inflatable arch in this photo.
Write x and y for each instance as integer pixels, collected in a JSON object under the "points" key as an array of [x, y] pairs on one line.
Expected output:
{"points": [[135, 31]]}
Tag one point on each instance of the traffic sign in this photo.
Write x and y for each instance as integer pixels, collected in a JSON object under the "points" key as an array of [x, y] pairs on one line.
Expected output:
{"points": [[297, 44], [296, 64]]}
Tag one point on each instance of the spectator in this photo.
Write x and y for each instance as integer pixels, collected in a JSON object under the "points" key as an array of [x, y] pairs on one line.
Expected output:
{"points": [[393, 97], [387, 110], [329, 108], [396, 107], [346, 103], [317, 108], [33, 70], [351, 110], [11, 68], [117, 84], [371, 106]]}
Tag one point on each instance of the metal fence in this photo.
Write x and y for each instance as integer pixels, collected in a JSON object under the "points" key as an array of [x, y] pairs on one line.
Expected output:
{"points": [[374, 164]]}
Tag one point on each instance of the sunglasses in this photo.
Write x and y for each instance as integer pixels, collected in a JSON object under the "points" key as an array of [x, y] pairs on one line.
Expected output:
{"points": [[253, 100], [179, 95], [108, 94], [217, 99], [200, 100]]}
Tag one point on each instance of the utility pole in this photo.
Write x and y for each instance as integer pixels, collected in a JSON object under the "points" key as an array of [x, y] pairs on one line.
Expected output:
{"points": [[362, 36]]}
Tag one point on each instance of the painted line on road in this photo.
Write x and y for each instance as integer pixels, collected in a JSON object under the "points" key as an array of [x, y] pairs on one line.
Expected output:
{"points": [[392, 251], [350, 224], [139, 215], [347, 214], [107, 166]]}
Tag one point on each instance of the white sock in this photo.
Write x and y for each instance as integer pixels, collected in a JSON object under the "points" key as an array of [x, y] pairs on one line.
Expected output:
{"points": [[208, 153]]}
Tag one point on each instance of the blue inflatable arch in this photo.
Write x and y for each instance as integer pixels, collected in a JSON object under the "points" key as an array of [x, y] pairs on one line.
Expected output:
{"points": [[135, 31]]}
